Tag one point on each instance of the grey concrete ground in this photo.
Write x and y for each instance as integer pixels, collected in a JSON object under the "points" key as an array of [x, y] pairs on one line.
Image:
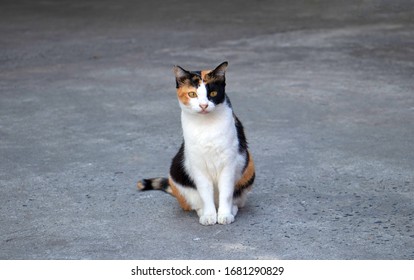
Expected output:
{"points": [[325, 90]]}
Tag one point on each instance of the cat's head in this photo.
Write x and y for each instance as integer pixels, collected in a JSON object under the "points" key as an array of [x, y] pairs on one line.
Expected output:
{"points": [[200, 92]]}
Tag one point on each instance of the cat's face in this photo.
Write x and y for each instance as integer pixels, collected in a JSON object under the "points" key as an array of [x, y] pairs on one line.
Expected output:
{"points": [[200, 92]]}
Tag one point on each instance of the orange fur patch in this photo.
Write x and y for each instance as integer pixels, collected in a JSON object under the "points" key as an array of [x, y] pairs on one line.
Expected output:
{"points": [[207, 78], [247, 174], [182, 93], [140, 186], [180, 198], [204, 75]]}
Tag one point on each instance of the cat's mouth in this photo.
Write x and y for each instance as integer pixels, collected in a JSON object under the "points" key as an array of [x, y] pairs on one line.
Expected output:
{"points": [[203, 112]]}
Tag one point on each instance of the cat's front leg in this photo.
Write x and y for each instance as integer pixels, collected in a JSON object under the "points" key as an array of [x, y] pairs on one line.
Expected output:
{"points": [[226, 211], [207, 211]]}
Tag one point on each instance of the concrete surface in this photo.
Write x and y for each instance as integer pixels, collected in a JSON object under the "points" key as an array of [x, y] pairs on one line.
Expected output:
{"points": [[324, 89]]}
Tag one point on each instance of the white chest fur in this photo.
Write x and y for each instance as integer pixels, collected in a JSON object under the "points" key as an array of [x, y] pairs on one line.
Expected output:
{"points": [[211, 143]]}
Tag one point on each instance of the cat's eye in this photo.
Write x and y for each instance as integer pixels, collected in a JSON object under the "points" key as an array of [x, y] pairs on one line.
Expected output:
{"points": [[213, 93], [192, 94]]}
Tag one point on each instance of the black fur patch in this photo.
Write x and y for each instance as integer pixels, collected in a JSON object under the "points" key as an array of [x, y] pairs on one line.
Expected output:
{"points": [[228, 102], [190, 78], [238, 192], [247, 161], [198, 73], [240, 135], [178, 172], [219, 88], [146, 185], [155, 184]]}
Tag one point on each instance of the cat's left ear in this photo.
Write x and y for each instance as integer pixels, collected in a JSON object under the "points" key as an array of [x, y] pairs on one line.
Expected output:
{"points": [[220, 70], [180, 74]]}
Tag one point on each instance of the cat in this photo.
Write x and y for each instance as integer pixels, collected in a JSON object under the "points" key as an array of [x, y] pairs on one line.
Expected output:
{"points": [[213, 170]]}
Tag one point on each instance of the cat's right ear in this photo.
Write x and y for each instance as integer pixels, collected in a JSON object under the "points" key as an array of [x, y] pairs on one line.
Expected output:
{"points": [[180, 74]]}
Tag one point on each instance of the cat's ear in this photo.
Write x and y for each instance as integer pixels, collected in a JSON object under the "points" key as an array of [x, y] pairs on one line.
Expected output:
{"points": [[220, 70], [180, 74]]}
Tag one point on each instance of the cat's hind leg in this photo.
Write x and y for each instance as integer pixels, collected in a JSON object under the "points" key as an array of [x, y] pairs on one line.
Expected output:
{"points": [[191, 199], [178, 193], [244, 184]]}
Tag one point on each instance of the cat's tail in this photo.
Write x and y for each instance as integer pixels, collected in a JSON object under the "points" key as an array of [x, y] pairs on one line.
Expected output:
{"points": [[161, 184]]}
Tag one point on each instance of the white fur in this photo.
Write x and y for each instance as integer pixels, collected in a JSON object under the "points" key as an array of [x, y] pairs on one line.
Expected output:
{"points": [[212, 159]]}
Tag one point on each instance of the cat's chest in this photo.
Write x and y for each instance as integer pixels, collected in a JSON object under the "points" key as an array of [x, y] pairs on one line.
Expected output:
{"points": [[215, 137], [211, 144]]}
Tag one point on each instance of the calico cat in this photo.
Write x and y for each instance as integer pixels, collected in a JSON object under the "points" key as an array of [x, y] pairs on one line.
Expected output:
{"points": [[213, 169]]}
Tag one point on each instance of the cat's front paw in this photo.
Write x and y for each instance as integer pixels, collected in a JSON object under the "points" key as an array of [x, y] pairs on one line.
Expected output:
{"points": [[208, 220], [225, 219]]}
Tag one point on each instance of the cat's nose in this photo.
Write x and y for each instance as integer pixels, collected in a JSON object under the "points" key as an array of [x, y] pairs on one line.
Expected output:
{"points": [[203, 106]]}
